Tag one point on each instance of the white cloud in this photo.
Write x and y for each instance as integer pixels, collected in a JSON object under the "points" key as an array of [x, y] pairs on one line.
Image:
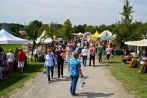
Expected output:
{"points": [[91, 12]]}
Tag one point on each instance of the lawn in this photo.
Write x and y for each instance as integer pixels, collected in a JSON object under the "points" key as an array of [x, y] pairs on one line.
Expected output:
{"points": [[10, 46], [16, 80], [133, 82]]}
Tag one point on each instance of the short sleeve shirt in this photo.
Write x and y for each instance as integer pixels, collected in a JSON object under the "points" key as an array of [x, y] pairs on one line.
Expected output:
{"points": [[74, 64]]}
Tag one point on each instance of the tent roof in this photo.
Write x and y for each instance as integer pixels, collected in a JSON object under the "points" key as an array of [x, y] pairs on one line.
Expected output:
{"points": [[42, 39], [7, 38], [5, 27], [137, 43], [95, 34]]}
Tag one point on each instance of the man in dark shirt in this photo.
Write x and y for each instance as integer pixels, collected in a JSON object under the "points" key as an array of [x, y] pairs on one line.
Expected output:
{"points": [[60, 61]]}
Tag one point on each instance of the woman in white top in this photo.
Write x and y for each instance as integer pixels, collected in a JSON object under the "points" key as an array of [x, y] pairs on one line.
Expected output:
{"points": [[68, 53], [36, 53], [10, 59], [84, 54]]}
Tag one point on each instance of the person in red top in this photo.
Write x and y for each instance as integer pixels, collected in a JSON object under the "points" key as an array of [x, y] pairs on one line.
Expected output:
{"points": [[21, 60], [92, 51]]}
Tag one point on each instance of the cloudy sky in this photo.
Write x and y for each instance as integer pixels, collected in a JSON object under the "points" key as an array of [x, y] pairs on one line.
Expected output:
{"points": [[90, 12]]}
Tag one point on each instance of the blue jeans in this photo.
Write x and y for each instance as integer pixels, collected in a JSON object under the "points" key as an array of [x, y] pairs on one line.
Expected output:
{"points": [[74, 80], [100, 57], [36, 57], [84, 60], [48, 70]]}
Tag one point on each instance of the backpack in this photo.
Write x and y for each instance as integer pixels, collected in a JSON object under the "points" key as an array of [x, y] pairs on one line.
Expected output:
{"points": [[79, 50]]}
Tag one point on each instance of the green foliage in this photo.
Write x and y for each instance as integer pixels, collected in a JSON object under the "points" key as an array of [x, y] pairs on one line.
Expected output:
{"points": [[15, 30], [33, 29], [78, 29], [67, 29], [124, 30], [32, 32]]}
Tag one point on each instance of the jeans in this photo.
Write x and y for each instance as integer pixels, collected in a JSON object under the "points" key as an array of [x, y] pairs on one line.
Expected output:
{"points": [[92, 58], [100, 57], [48, 69], [36, 57], [84, 60], [74, 80], [60, 67]]}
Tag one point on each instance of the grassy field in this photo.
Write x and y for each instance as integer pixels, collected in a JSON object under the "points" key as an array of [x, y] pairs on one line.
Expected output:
{"points": [[133, 82], [16, 80], [10, 46]]}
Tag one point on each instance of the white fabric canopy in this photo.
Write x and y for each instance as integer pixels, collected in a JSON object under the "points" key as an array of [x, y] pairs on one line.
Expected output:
{"points": [[43, 39], [137, 43], [7, 38], [106, 35]]}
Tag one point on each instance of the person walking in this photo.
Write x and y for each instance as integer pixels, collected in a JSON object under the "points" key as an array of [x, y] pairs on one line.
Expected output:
{"points": [[84, 54], [49, 64], [74, 69], [36, 53], [21, 60], [60, 61], [92, 51], [100, 51], [108, 53], [68, 52], [10, 59]]}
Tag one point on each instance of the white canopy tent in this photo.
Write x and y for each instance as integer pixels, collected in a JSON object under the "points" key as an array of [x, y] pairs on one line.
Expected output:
{"points": [[106, 35], [43, 39], [137, 43], [7, 38]]}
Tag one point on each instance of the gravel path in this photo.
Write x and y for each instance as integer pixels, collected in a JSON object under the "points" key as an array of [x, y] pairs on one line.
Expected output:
{"points": [[99, 84]]}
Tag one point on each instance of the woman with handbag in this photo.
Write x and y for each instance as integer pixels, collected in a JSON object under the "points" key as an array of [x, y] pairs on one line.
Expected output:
{"points": [[50, 62]]}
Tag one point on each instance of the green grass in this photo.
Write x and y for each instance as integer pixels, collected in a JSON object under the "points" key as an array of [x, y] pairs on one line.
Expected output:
{"points": [[16, 80], [133, 82], [10, 46]]}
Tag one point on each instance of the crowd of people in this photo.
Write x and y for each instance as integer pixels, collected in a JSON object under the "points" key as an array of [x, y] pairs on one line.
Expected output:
{"points": [[71, 52], [9, 62]]}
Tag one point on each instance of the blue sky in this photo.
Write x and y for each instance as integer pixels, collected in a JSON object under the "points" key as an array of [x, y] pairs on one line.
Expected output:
{"points": [[90, 12]]}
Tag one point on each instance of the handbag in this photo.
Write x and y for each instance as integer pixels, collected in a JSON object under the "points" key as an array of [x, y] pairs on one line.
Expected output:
{"points": [[44, 71]]}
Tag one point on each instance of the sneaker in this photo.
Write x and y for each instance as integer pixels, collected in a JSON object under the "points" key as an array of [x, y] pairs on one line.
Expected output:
{"points": [[74, 94]]}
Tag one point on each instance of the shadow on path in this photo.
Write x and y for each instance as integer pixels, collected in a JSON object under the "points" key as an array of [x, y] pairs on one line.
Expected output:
{"points": [[66, 78], [92, 94]]}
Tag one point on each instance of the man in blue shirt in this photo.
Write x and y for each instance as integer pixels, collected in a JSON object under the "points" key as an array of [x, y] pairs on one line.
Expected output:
{"points": [[74, 67]]}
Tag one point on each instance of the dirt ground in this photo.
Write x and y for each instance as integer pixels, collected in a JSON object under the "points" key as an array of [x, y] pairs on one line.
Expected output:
{"points": [[99, 84]]}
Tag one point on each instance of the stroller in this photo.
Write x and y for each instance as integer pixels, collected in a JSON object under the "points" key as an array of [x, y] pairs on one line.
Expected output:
{"points": [[41, 58]]}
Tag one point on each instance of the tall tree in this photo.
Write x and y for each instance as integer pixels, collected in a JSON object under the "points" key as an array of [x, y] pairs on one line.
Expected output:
{"points": [[124, 27], [32, 32], [67, 29], [15, 30]]}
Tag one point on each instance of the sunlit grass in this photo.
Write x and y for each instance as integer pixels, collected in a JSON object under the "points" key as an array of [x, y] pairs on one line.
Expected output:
{"points": [[134, 82]]}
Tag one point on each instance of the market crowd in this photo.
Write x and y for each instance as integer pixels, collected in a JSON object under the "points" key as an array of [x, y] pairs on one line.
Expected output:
{"points": [[12, 62], [71, 52]]}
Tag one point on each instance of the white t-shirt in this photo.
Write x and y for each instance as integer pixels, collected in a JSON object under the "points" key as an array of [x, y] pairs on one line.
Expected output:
{"points": [[36, 51], [10, 57], [84, 52]]}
